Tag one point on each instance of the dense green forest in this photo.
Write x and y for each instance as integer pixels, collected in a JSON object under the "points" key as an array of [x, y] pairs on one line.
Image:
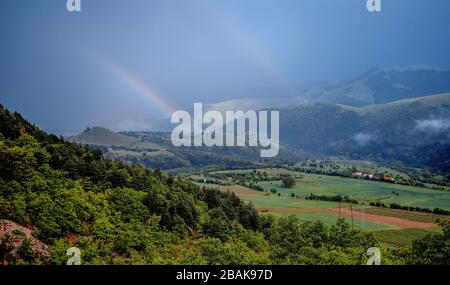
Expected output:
{"points": [[70, 195]]}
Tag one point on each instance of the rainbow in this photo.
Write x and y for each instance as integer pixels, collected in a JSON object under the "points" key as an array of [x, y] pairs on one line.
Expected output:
{"points": [[139, 86]]}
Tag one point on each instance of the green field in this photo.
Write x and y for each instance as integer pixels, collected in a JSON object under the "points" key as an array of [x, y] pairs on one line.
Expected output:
{"points": [[308, 210], [364, 191], [303, 209], [330, 219]]}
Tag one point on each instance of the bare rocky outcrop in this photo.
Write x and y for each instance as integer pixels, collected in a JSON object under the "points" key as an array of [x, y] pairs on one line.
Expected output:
{"points": [[12, 236]]}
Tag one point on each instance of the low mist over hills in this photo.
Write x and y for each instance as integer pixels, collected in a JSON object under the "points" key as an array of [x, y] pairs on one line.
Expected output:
{"points": [[378, 86], [399, 130], [321, 127], [382, 85]]}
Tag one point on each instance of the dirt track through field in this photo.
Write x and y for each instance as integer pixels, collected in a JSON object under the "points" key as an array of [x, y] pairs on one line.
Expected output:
{"points": [[396, 222]]}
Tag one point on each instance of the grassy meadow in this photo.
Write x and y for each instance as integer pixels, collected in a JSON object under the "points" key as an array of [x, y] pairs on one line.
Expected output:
{"points": [[394, 228]]}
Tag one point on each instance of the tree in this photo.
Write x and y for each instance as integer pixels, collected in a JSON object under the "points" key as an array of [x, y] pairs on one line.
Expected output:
{"points": [[288, 181], [433, 249], [217, 226]]}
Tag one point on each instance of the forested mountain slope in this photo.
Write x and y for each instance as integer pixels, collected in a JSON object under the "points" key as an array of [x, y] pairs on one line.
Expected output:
{"points": [[406, 130]]}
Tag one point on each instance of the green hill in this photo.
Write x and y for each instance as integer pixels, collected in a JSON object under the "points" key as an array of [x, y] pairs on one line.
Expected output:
{"points": [[406, 130], [104, 137]]}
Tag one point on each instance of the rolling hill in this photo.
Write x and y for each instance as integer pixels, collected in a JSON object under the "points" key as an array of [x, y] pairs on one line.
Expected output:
{"points": [[382, 85], [407, 122], [104, 137], [401, 130]]}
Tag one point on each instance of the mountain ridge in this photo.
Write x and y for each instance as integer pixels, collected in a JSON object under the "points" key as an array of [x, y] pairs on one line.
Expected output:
{"points": [[377, 86]]}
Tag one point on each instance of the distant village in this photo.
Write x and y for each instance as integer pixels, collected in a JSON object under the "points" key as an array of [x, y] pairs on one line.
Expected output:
{"points": [[371, 176]]}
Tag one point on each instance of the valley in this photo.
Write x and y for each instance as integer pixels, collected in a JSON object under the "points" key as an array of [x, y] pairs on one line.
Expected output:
{"points": [[382, 168], [263, 188]]}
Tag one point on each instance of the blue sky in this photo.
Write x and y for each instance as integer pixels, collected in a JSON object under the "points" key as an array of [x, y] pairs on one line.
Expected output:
{"points": [[120, 63]]}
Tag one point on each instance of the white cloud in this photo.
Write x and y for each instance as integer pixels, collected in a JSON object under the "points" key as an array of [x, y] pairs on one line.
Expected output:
{"points": [[433, 125], [363, 138]]}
